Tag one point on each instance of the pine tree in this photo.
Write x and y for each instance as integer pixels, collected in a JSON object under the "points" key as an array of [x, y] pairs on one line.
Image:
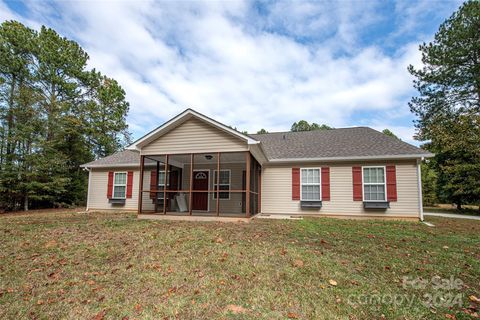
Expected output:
{"points": [[448, 104], [55, 114], [303, 125], [390, 133]]}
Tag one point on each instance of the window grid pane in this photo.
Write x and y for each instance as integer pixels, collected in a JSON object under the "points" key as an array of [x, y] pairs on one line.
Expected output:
{"points": [[224, 184], [119, 191], [119, 185], [310, 188], [161, 179], [120, 178], [374, 184]]}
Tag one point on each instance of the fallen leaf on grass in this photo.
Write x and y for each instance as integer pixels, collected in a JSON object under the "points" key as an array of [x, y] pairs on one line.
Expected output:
{"points": [[100, 315], [445, 247], [474, 299], [235, 309], [292, 315], [51, 244], [138, 307], [332, 282], [298, 263], [219, 240]]}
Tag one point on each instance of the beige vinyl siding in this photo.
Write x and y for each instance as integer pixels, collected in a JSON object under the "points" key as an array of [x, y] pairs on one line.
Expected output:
{"points": [[97, 195], [277, 191], [194, 136]]}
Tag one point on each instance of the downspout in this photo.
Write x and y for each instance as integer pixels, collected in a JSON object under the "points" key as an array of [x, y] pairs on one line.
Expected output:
{"points": [[88, 190], [420, 198]]}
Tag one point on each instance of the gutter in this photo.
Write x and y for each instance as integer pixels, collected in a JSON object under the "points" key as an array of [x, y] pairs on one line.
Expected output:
{"points": [[120, 165], [88, 188], [385, 157]]}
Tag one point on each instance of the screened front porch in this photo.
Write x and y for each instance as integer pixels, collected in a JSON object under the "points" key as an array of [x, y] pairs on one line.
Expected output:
{"points": [[222, 184]]}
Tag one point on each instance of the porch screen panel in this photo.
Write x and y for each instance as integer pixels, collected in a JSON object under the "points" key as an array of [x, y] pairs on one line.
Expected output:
{"points": [[235, 164], [153, 184]]}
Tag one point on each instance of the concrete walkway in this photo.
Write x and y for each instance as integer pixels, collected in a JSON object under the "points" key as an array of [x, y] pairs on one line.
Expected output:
{"points": [[451, 215]]}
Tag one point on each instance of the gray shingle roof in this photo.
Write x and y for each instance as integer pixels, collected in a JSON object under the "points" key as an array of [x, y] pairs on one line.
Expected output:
{"points": [[125, 157], [347, 143], [335, 143]]}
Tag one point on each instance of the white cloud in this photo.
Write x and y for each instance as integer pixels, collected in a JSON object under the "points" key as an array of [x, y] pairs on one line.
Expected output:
{"points": [[227, 60]]}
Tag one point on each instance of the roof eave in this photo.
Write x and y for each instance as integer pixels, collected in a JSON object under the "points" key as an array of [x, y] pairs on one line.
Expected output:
{"points": [[116, 165], [355, 158]]}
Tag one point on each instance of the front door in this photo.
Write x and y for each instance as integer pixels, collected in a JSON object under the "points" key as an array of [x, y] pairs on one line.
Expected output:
{"points": [[200, 182]]}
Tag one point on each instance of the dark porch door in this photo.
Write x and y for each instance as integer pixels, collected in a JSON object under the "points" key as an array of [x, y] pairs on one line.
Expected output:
{"points": [[200, 182]]}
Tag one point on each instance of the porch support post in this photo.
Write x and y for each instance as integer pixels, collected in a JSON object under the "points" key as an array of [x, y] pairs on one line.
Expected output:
{"points": [[155, 193], [259, 168], [140, 187], [247, 182], [190, 195], [165, 175], [218, 184]]}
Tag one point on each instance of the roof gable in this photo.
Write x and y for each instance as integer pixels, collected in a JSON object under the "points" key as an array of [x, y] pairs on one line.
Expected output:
{"points": [[194, 136], [179, 120]]}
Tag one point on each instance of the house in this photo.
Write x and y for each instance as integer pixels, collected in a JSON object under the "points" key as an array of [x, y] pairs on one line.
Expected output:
{"points": [[197, 168]]}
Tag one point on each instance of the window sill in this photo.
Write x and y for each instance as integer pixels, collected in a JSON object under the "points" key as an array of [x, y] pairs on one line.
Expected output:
{"points": [[376, 205], [117, 201], [311, 204]]}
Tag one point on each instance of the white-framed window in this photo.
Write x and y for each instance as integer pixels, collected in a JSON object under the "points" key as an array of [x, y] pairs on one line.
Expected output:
{"points": [[161, 183], [310, 184], [374, 183], [224, 184], [120, 185]]}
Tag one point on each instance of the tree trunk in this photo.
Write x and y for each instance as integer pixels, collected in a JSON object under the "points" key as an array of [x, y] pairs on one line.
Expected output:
{"points": [[51, 117], [25, 202], [9, 149], [459, 206]]}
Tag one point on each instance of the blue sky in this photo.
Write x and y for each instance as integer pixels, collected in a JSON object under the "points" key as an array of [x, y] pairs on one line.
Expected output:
{"points": [[249, 64]]}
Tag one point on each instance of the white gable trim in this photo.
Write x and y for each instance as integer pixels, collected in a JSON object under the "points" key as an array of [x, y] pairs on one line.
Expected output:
{"points": [[179, 119]]}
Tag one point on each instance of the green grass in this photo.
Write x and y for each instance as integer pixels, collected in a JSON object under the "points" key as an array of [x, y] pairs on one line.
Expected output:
{"points": [[468, 210], [111, 265]]}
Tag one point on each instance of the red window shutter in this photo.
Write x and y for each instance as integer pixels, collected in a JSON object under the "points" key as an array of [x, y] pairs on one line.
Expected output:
{"points": [[295, 183], [325, 184], [110, 185], [129, 184], [153, 183], [391, 183], [357, 183]]}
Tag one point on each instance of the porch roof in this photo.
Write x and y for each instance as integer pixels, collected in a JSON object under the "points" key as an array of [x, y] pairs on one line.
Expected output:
{"points": [[125, 158]]}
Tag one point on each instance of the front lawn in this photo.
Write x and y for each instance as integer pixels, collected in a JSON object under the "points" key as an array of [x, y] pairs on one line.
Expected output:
{"points": [[112, 266]]}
